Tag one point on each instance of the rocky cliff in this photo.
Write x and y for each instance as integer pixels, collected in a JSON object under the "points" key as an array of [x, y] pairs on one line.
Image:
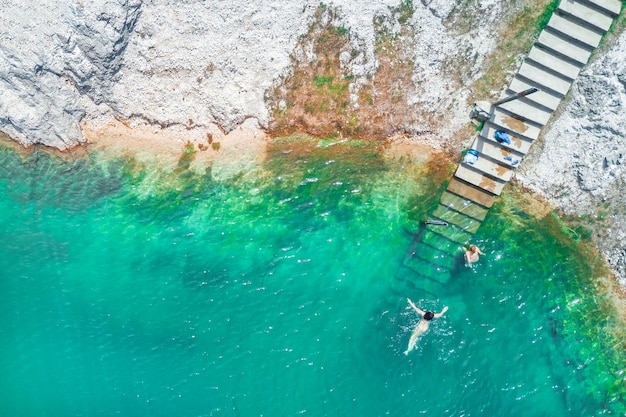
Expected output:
{"points": [[59, 61], [204, 68], [200, 63]]}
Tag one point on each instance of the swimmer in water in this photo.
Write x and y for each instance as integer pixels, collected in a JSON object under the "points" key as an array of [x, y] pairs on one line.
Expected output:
{"points": [[471, 255], [423, 324]]}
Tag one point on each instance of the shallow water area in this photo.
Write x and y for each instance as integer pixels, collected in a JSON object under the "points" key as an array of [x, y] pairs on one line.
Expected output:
{"points": [[127, 290]]}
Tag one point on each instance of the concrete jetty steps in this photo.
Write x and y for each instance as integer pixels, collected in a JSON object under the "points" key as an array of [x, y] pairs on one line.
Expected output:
{"points": [[562, 49], [564, 46]]}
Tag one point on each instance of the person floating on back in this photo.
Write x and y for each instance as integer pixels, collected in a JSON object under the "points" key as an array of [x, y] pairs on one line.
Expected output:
{"points": [[472, 254], [422, 325]]}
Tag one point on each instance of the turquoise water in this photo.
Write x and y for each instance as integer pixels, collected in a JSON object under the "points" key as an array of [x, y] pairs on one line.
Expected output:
{"points": [[130, 291]]}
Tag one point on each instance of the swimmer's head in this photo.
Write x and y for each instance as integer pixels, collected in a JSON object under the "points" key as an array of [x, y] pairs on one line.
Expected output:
{"points": [[473, 248], [429, 315]]}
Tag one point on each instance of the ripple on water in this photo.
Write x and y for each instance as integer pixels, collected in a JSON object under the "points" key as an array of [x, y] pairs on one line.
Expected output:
{"points": [[275, 298]]}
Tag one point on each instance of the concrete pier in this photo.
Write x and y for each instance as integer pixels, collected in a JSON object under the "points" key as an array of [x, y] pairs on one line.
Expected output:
{"points": [[563, 48]]}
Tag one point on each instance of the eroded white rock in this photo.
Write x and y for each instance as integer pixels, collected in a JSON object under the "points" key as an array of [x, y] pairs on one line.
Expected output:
{"points": [[580, 167], [191, 64]]}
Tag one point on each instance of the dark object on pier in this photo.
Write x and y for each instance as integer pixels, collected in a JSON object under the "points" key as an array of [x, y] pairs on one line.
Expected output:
{"points": [[482, 109], [516, 96], [436, 222]]}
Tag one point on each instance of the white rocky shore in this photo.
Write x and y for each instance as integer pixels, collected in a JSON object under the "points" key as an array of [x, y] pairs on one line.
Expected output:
{"points": [[193, 64], [580, 166], [75, 72]]}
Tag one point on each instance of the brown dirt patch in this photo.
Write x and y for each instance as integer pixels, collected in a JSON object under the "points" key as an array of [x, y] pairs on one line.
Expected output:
{"points": [[515, 35], [322, 98], [242, 147]]}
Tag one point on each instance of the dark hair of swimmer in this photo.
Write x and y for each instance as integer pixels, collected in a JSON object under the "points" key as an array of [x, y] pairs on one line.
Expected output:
{"points": [[429, 315]]}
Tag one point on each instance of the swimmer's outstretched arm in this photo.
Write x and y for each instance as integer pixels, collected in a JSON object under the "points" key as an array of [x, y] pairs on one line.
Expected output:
{"points": [[442, 312], [420, 312]]}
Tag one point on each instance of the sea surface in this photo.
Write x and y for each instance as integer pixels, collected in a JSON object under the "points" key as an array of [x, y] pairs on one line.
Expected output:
{"points": [[132, 290]]}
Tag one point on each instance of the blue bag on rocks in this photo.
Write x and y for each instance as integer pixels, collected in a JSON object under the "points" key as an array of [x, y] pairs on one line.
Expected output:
{"points": [[502, 137], [471, 156]]}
